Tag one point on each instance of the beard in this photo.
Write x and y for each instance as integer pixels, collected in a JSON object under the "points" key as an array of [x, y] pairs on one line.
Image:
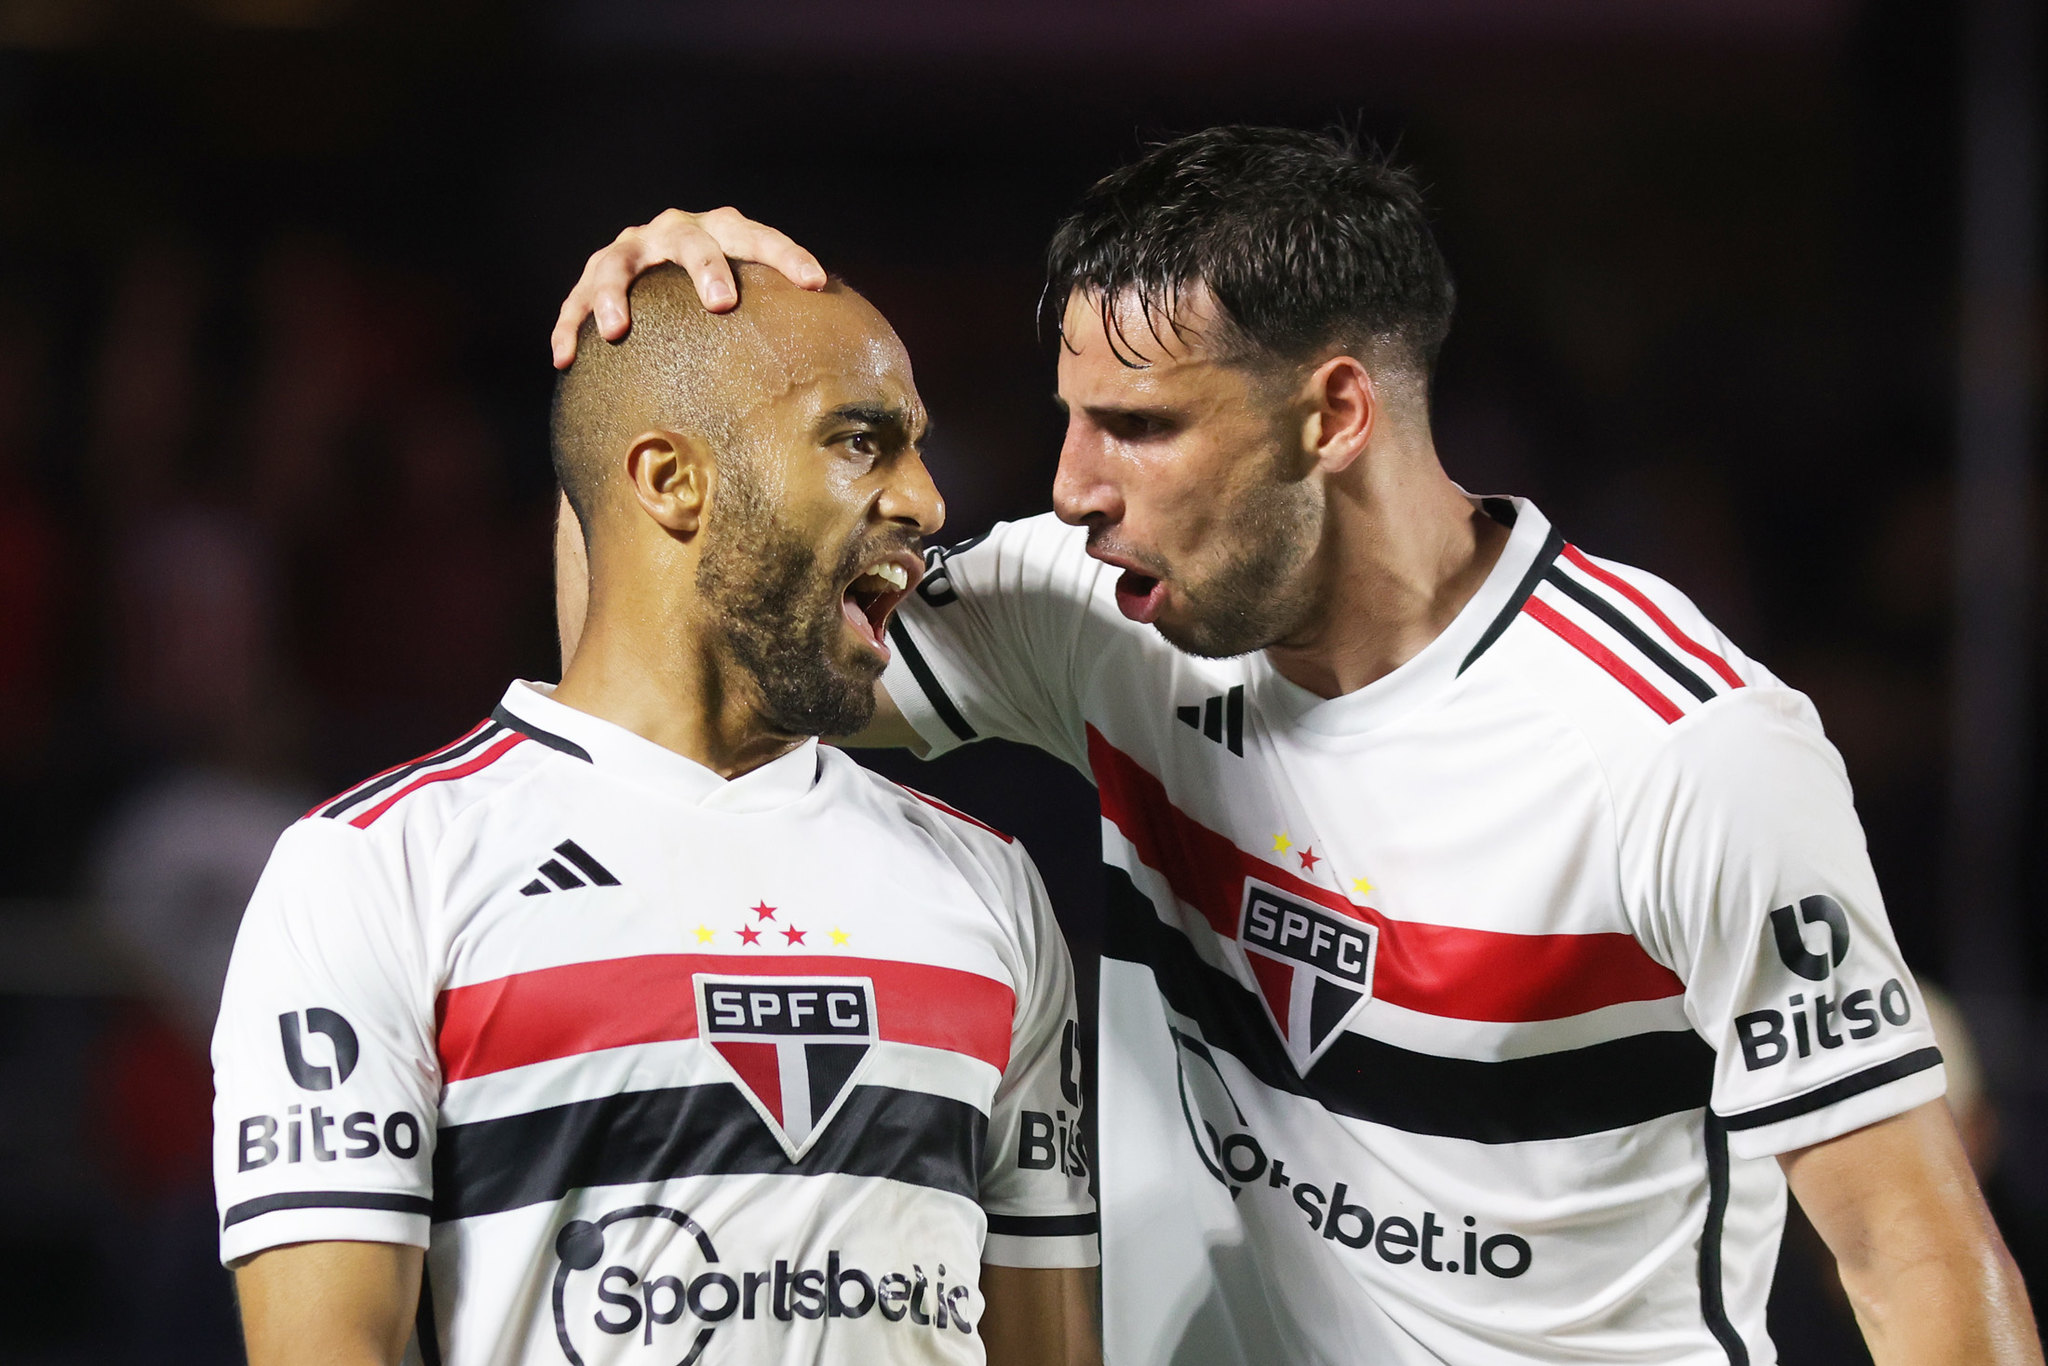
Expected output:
{"points": [[1259, 597], [779, 614]]}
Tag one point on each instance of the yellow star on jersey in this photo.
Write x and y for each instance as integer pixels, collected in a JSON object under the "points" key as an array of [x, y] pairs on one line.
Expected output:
{"points": [[1281, 844], [1361, 885], [839, 937], [705, 935]]}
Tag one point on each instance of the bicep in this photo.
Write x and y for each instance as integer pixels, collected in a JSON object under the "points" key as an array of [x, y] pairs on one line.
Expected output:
{"points": [[1891, 1189], [1039, 1316], [338, 1304]]}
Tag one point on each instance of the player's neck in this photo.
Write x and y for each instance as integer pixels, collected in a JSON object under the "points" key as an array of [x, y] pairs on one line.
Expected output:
{"points": [[651, 669], [1404, 552]]}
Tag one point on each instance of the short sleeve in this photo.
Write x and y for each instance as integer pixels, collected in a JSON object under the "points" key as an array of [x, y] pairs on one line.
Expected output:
{"points": [[325, 1076], [1034, 1183], [1753, 881], [994, 641]]}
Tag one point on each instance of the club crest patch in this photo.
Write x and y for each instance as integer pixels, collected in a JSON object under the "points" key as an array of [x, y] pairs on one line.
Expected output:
{"points": [[794, 1044], [1312, 966]]}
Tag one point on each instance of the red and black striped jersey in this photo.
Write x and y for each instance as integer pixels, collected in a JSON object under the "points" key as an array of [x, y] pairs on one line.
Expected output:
{"points": [[1458, 1018], [650, 1061]]}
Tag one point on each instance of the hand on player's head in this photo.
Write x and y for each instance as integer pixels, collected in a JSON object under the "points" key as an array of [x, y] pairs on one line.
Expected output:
{"points": [[703, 244]]}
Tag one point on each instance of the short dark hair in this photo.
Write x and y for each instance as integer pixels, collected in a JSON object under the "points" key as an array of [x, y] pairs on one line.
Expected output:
{"points": [[1308, 242]]}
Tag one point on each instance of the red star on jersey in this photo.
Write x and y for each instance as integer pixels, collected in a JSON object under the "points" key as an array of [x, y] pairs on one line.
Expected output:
{"points": [[750, 936], [763, 911], [793, 935], [1309, 859]]}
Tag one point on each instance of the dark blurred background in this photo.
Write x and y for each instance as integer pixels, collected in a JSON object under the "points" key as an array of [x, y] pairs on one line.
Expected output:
{"points": [[276, 278]]}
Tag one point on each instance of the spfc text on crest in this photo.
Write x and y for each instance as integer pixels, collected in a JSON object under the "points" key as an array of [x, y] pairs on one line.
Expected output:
{"points": [[794, 1043], [1313, 967]]}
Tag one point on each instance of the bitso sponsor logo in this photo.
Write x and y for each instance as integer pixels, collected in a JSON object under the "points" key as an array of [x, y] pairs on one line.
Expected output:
{"points": [[316, 1133], [1816, 1018], [1426, 1241], [341, 1037], [1786, 929], [648, 1279], [793, 1043], [1312, 966]]}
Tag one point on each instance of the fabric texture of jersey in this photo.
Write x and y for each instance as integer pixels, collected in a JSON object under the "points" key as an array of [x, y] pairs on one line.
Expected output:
{"points": [[1458, 1018], [657, 1067]]}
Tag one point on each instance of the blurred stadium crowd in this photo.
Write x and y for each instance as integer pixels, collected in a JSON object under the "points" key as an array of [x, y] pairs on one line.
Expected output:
{"points": [[274, 503]]}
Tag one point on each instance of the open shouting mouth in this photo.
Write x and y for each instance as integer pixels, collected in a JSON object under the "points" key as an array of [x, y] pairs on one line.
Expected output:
{"points": [[875, 592]]}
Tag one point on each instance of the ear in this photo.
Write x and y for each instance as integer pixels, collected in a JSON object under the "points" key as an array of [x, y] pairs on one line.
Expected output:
{"points": [[670, 475], [1343, 407]]}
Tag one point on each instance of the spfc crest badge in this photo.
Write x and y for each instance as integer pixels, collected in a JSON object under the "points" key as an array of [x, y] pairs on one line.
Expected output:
{"points": [[1313, 967], [794, 1043]]}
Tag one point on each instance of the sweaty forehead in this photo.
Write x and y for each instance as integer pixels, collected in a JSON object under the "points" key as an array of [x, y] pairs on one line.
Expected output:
{"points": [[825, 348]]}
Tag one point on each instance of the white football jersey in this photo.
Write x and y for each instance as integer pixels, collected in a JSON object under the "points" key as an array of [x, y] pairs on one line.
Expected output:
{"points": [[1459, 1018], [658, 1067]]}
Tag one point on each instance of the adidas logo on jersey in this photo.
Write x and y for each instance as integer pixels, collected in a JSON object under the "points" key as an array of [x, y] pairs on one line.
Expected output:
{"points": [[1313, 967], [793, 1043], [557, 872], [1220, 718]]}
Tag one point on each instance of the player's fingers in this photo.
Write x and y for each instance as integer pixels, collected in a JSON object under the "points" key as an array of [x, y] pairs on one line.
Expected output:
{"points": [[744, 239]]}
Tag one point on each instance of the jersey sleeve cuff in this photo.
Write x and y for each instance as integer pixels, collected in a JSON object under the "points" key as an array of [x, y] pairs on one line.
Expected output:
{"points": [[1856, 1101], [269, 1221], [1043, 1240], [920, 696]]}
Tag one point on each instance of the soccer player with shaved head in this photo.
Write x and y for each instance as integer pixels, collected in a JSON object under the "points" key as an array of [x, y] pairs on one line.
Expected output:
{"points": [[1491, 941], [633, 1026]]}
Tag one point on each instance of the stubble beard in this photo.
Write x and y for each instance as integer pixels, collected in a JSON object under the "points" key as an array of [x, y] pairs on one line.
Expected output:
{"points": [[779, 615], [1262, 595]]}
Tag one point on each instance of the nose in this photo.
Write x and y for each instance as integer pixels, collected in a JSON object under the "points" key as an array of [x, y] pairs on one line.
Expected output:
{"points": [[1082, 492], [911, 498]]}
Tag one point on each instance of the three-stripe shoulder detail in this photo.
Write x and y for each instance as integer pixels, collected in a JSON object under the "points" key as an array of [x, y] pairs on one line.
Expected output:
{"points": [[362, 804], [1619, 629]]}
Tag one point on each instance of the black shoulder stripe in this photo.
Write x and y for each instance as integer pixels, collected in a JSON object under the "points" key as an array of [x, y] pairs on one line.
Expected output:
{"points": [[1553, 546], [546, 737], [927, 680], [1044, 1225], [356, 796], [266, 1204], [1629, 631], [1869, 1079]]}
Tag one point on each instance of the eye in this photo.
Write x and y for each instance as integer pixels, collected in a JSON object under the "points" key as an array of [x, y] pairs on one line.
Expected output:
{"points": [[865, 443]]}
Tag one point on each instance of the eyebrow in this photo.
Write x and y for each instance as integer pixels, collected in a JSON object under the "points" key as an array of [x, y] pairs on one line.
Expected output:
{"points": [[889, 419]]}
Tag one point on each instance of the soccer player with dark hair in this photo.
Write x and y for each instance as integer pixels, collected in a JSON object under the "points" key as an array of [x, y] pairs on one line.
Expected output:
{"points": [[1491, 941], [633, 1027]]}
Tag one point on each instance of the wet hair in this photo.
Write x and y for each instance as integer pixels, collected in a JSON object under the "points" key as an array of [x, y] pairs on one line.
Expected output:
{"points": [[1310, 244]]}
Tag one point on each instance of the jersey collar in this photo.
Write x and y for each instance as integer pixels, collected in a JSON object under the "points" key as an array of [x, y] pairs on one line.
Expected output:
{"points": [[1500, 597], [532, 709]]}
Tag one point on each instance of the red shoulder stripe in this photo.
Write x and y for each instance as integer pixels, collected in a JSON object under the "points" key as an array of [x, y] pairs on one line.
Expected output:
{"points": [[462, 770], [1651, 610], [426, 758], [935, 803], [1592, 649]]}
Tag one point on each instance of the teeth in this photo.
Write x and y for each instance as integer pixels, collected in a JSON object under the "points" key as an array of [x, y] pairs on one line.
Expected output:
{"points": [[891, 574]]}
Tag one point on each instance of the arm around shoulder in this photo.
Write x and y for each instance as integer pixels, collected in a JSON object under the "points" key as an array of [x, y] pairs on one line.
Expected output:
{"points": [[1923, 1264]]}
